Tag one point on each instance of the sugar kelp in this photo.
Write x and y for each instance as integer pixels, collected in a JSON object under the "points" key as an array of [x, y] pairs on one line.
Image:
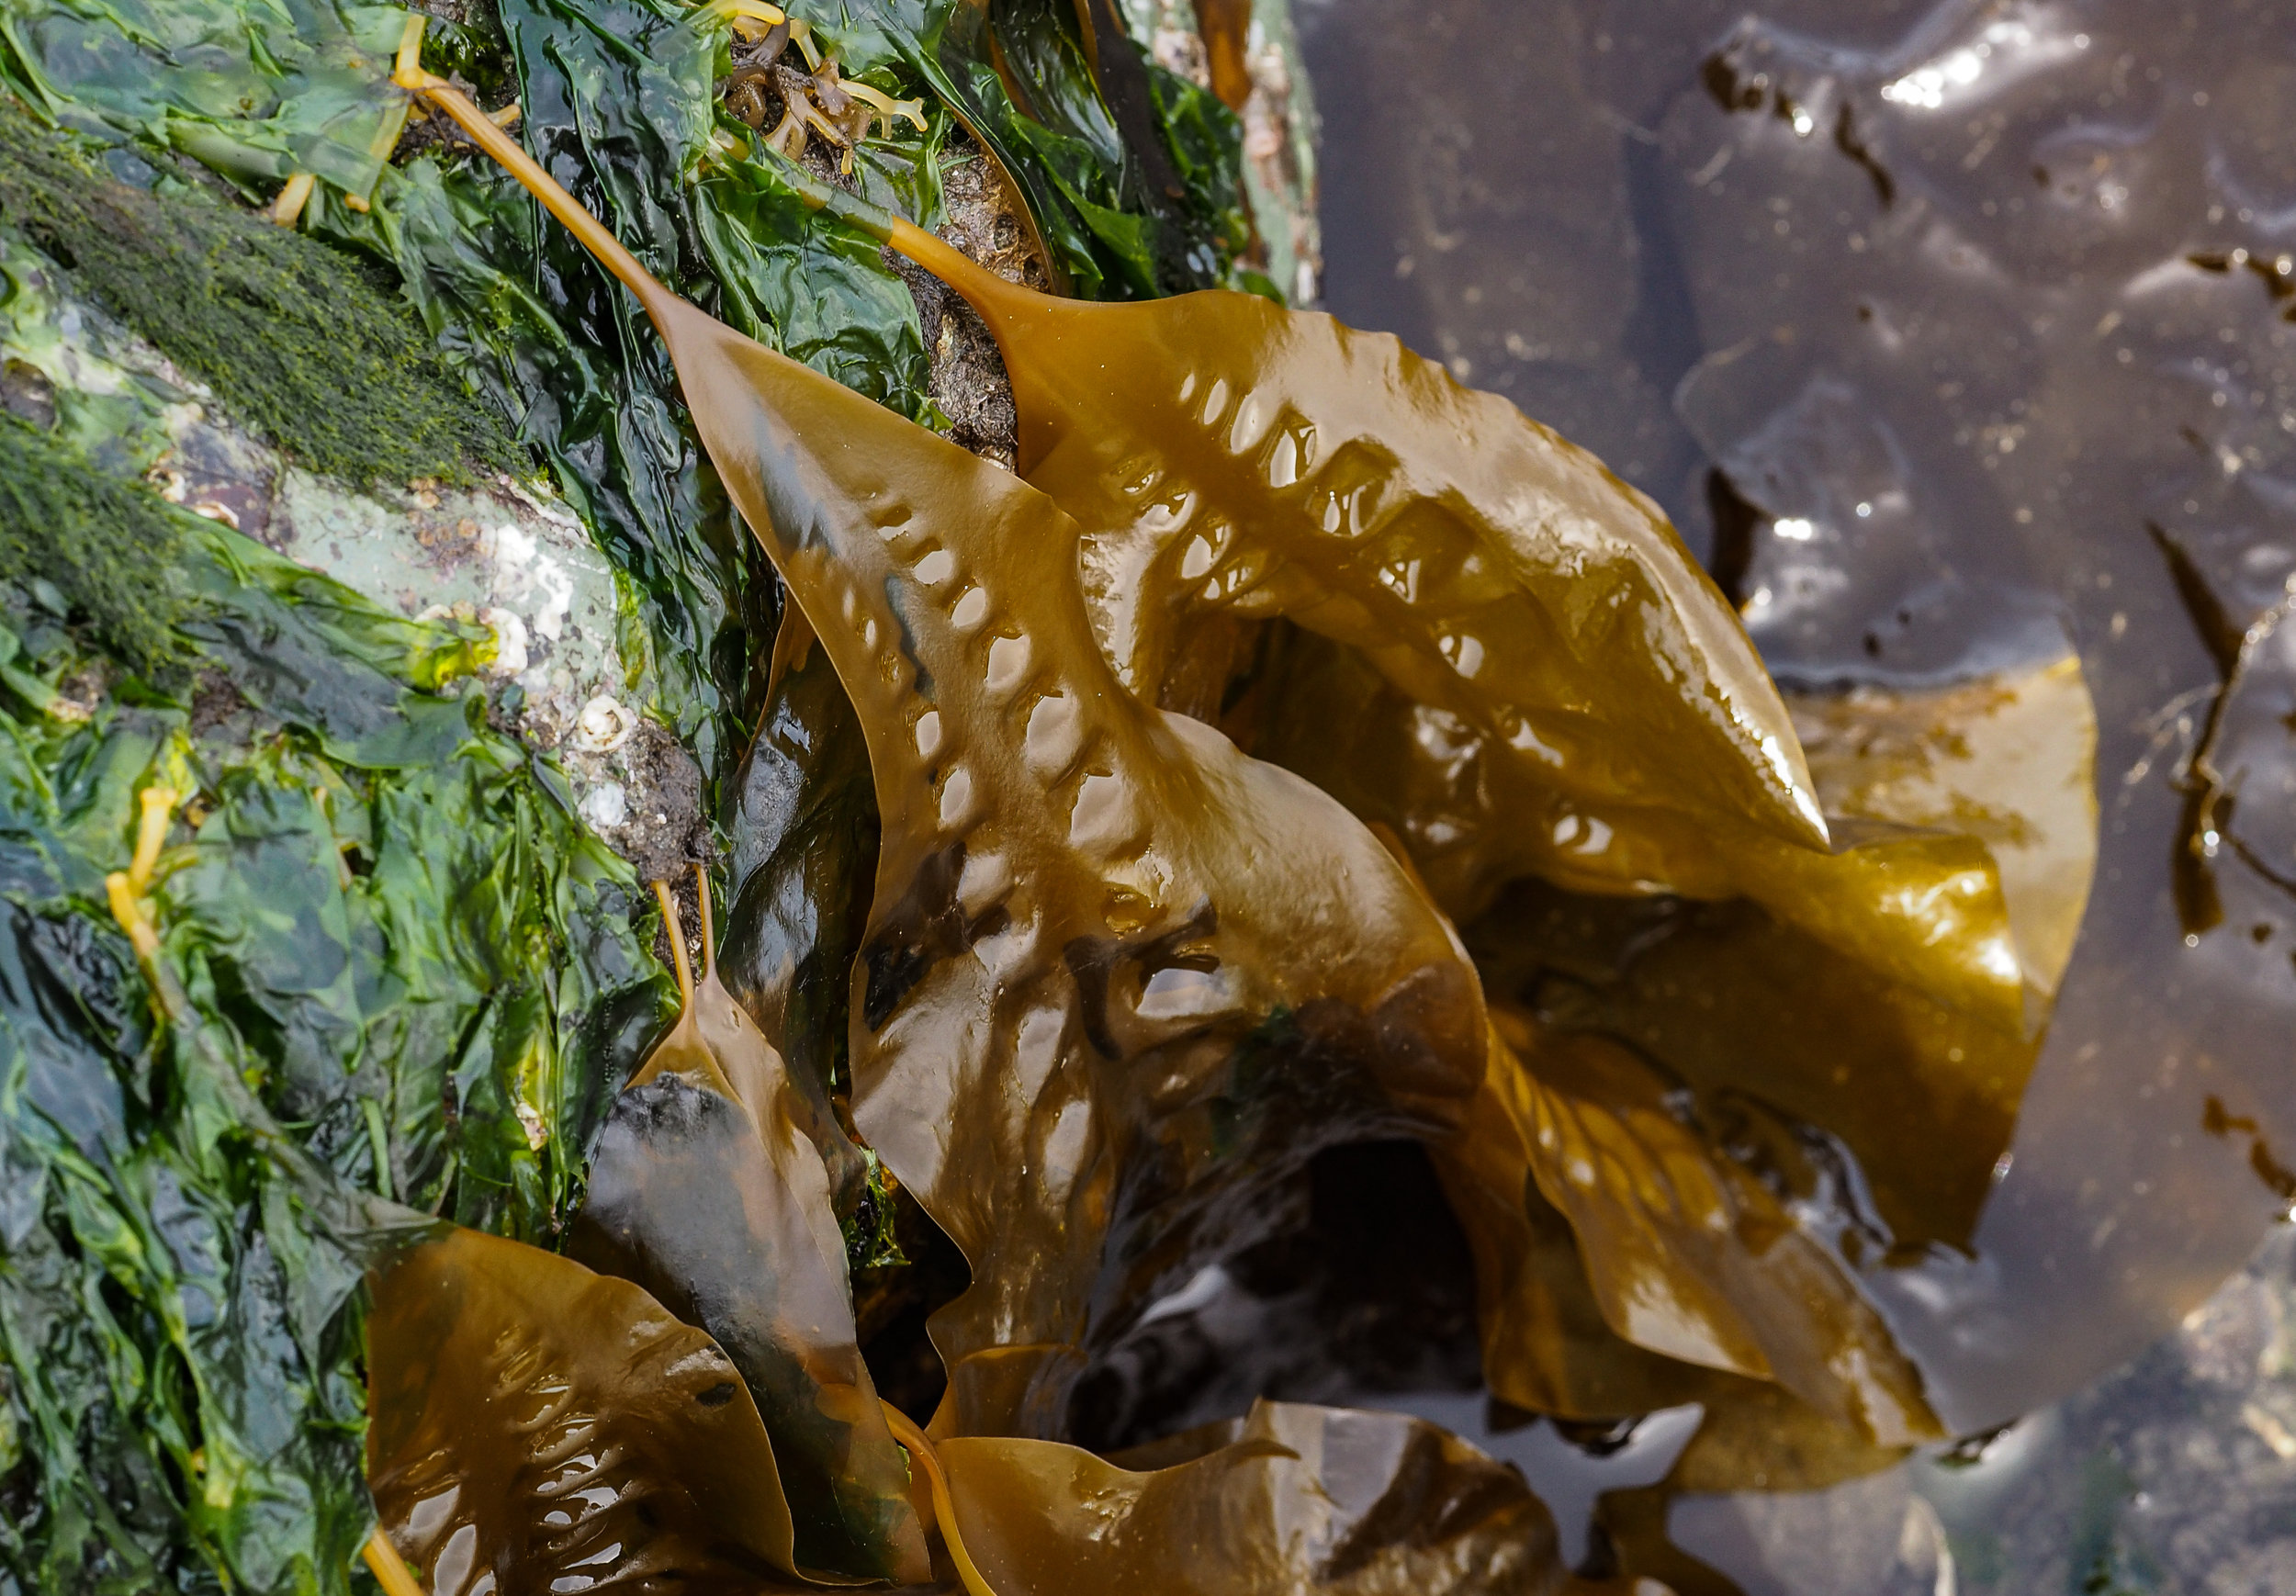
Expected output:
{"points": [[725, 377], [395, 969], [537, 1424], [1870, 1048], [1557, 657], [1688, 1253], [1291, 1497], [1176, 948], [1527, 677], [1874, 1109], [800, 819], [708, 1188]]}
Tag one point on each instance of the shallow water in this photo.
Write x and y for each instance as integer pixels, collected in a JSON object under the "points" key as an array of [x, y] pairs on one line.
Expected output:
{"points": [[1944, 333]]}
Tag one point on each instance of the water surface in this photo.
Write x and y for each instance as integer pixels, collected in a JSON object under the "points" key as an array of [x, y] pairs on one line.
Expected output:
{"points": [[1948, 334]]}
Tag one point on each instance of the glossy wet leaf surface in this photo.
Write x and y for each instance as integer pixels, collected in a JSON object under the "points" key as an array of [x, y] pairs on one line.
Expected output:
{"points": [[347, 1050], [802, 821], [276, 88], [1689, 1255], [1119, 981], [1126, 204], [1107, 900], [1559, 690], [538, 1427]]}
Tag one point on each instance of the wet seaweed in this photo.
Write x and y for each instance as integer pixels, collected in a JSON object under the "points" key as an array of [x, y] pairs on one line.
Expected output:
{"points": [[292, 336]]}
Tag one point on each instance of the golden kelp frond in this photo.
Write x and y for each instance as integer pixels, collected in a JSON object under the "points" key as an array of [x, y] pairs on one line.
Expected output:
{"points": [[1741, 1004], [1293, 1499], [1920, 909], [1554, 674], [1548, 1348], [1102, 904], [1232, 457], [705, 1190], [532, 1423]]}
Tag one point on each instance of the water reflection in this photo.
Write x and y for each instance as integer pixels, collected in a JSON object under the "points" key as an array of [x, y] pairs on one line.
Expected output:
{"points": [[1951, 335]]}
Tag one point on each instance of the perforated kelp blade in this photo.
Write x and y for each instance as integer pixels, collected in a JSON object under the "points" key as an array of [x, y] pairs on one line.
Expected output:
{"points": [[706, 1191], [536, 1427], [1228, 456], [1114, 968]]}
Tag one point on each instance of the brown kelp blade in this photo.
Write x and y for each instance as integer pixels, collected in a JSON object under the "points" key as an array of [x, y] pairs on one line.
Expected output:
{"points": [[2009, 758], [1226, 455], [706, 1192], [1112, 963], [1921, 907], [533, 1425], [1292, 1498], [1547, 654], [1772, 1035], [802, 825], [1739, 1005]]}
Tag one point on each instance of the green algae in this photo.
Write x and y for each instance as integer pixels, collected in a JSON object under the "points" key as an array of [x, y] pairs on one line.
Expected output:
{"points": [[294, 339], [106, 546]]}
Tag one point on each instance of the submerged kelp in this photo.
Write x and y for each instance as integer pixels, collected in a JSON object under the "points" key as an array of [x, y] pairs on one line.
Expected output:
{"points": [[1472, 583]]}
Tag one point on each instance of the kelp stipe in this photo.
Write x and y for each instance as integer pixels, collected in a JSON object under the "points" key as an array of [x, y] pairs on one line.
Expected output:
{"points": [[920, 1448]]}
